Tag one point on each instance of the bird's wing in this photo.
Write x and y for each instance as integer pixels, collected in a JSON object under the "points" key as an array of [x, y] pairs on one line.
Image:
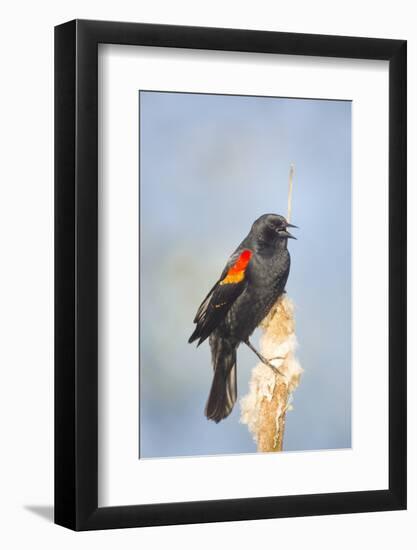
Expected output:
{"points": [[221, 297]]}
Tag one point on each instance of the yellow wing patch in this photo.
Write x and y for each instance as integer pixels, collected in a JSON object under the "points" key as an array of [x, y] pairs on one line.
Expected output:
{"points": [[233, 278]]}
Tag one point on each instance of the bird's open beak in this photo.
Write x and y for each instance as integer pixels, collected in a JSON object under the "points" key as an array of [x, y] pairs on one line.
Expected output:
{"points": [[287, 234]]}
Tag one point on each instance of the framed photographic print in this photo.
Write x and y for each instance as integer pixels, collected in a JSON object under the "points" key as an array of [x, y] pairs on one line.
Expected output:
{"points": [[230, 252]]}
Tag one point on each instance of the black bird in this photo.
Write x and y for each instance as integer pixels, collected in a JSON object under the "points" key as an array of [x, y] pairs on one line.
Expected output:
{"points": [[250, 284]]}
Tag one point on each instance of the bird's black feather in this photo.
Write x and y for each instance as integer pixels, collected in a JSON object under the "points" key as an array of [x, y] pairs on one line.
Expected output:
{"points": [[217, 303]]}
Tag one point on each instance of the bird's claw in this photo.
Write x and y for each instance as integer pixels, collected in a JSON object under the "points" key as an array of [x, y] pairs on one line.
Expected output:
{"points": [[276, 370], [265, 361], [268, 363]]}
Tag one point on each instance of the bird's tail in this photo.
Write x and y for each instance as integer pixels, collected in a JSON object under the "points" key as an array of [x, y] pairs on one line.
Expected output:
{"points": [[223, 392]]}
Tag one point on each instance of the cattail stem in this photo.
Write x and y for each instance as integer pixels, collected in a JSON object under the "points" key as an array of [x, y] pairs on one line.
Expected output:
{"points": [[290, 184], [264, 408]]}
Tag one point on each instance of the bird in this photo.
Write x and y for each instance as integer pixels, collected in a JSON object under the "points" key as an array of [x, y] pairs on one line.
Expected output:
{"points": [[253, 279]]}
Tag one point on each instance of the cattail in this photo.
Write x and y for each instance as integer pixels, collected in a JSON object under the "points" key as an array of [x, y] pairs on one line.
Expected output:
{"points": [[264, 408], [270, 392]]}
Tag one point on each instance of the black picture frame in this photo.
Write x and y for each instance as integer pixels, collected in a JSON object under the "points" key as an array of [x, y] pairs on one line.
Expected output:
{"points": [[76, 272]]}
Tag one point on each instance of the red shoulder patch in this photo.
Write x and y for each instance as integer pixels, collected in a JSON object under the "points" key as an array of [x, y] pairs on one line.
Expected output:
{"points": [[236, 273]]}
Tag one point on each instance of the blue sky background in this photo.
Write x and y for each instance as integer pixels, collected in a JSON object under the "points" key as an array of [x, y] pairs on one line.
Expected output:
{"points": [[209, 166]]}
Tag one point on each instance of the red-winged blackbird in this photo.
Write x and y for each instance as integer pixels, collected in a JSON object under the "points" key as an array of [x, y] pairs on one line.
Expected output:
{"points": [[252, 281]]}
